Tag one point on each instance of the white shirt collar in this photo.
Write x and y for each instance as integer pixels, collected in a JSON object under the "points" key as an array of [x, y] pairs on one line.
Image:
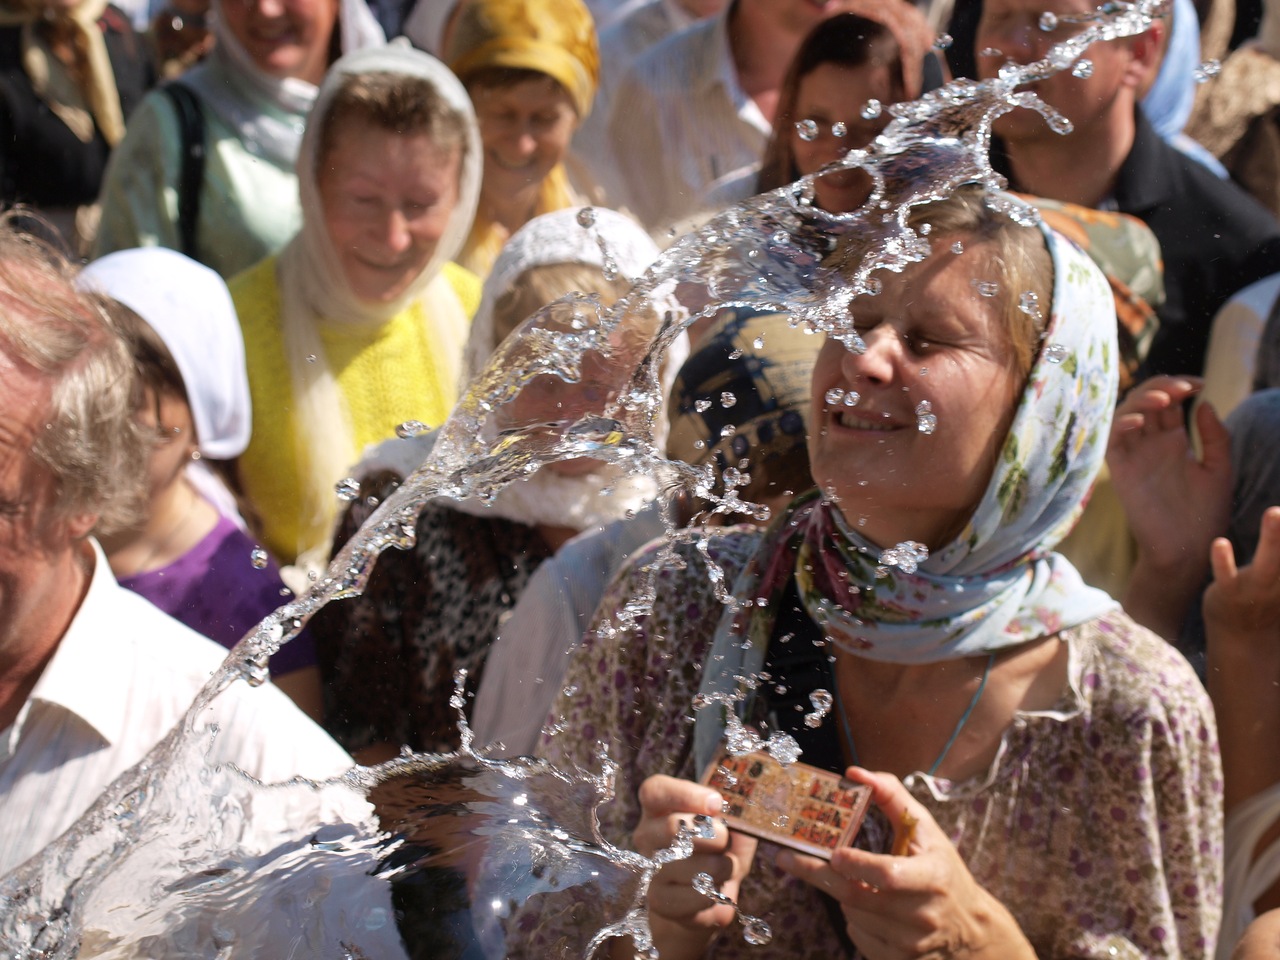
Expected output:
{"points": [[83, 677]]}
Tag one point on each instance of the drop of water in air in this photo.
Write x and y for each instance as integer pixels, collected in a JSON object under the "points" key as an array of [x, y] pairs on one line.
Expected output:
{"points": [[807, 129], [926, 419], [985, 288], [1029, 303], [727, 400], [943, 41], [410, 429], [1048, 21], [872, 109], [906, 556], [347, 489], [702, 406], [834, 397], [822, 701], [587, 217], [258, 558], [839, 129], [1207, 71], [1055, 353], [1083, 69], [957, 248]]}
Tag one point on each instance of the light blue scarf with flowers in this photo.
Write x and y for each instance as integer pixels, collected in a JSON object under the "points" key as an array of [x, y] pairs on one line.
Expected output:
{"points": [[996, 585]]}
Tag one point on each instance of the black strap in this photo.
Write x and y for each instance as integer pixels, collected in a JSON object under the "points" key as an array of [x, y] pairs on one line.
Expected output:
{"points": [[191, 174]]}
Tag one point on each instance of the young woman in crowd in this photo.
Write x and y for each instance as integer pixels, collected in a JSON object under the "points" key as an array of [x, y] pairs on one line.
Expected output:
{"points": [[189, 555], [531, 68], [389, 656], [207, 166], [874, 54], [1058, 762], [359, 325]]}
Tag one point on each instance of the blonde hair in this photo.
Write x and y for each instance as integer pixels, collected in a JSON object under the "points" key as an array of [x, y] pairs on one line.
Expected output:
{"points": [[91, 444], [539, 286]]}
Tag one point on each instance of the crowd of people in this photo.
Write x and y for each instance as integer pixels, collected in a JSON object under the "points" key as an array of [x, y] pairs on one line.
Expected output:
{"points": [[1025, 534]]}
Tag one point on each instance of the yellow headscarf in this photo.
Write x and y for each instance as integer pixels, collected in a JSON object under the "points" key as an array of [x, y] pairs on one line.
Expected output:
{"points": [[553, 37]]}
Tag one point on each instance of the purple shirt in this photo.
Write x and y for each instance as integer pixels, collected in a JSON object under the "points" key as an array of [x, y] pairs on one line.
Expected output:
{"points": [[215, 590]]}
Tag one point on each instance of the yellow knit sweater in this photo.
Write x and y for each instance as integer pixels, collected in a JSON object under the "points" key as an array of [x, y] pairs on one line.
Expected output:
{"points": [[387, 374]]}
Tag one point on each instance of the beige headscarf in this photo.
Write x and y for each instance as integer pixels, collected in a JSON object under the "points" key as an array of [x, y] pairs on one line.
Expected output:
{"points": [[78, 102], [313, 286]]}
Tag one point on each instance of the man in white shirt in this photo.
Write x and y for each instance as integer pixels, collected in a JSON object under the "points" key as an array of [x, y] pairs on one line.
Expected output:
{"points": [[641, 26], [92, 676], [701, 103]]}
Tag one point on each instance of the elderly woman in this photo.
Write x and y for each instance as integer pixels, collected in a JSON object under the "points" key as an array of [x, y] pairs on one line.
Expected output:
{"points": [[1059, 762], [531, 68], [873, 54], [358, 326], [389, 656], [207, 166]]}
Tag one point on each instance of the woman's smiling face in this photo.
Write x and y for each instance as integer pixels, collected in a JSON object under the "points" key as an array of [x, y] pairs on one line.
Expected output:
{"points": [[526, 129], [931, 337]]}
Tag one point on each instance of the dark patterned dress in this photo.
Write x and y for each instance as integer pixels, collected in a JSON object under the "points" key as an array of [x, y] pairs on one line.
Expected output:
{"points": [[388, 657]]}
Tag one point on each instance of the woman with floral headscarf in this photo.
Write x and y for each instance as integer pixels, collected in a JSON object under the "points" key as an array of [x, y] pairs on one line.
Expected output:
{"points": [[531, 68], [359, 324], [211, 173], [1048, 780]]}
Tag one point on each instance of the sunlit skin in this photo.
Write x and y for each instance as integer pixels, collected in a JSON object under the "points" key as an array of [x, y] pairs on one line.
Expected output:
{"points": [[387, 200], [284, 38], [45, 564], [834, 93], [930, 336], [526, 129]]}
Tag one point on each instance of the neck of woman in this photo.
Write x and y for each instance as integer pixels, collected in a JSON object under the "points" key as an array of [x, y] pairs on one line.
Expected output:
{"points": [[179, 519], [513, 211]]}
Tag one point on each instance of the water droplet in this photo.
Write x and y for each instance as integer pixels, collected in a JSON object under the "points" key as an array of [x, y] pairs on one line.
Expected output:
{"points": [[311, 358], [925, 229], [587, 217], [735, 354], [906, 556], [822, 701], [1048, 21], [756, 932], [410, 429], [872, 109], [727, 431], [985, 288], [807, 129], [1207, 71], [783, 748], [702, 406], [758, 343], [1055, 353], [1083, 69], [258, 558], [926, 419], [957, 248], [609, 269], [943, 41], [990, 52], [839, 129], [704, 827], [851, 398], [347, 489], [705, 885], [834, 397], [782, 238], [727, 400], [1029, 303]]}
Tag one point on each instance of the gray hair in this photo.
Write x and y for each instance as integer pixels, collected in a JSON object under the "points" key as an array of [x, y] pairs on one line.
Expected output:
{"points": [[91, 444]]}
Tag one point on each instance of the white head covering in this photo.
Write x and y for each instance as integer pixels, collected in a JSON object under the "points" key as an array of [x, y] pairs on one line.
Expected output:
{"points": [[314, 287], [555, 238], [268, 113], [189, 308]]}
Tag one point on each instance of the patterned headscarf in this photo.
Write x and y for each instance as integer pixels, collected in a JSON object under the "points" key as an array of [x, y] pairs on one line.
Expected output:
{"points": [[998, 584], [744, 395]]}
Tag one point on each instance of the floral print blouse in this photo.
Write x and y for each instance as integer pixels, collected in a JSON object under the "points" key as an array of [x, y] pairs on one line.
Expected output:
{"points": [[1099, 824]]}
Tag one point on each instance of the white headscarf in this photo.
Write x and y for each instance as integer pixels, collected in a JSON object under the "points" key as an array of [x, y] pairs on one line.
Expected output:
{"points": [[313, 286], [269, 113], [189, 308]]}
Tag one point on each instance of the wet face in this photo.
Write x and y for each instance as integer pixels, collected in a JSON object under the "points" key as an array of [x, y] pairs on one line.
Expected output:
{"points": [[1010, 30], [36, 543], [387, 200], [526, 129], [930, 336], [283, 38], [831, 94]]}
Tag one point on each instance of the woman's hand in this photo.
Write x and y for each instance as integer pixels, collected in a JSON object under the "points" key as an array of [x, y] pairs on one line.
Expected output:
{"points": [[684, 921], [924, 904], [1175, 503]]}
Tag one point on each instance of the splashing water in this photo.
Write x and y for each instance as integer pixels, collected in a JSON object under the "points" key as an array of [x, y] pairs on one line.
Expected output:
{"points": [[147, 871]]}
